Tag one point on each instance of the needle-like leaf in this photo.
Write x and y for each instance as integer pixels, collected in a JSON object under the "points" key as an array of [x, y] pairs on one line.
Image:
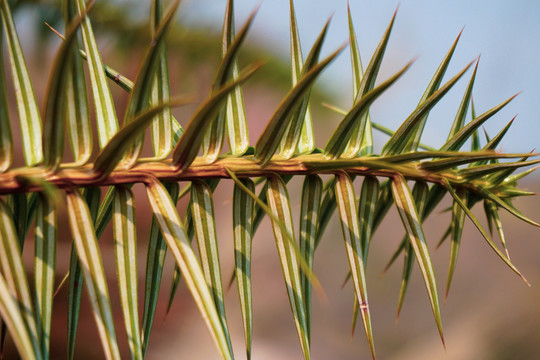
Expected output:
{"points": [[278, 201], [456, 230], [125, 246], [202, 209], [309, 215], [92, 196], [179, 246], [398, 142], [107, 122], [432, 87], [298, 125], [459, 120], [361, 141], [213, 141], [355, 117], [366, 211], [409, 216], [493, 214], [462, 135], [13, 319], [54, 120], [26, 101], [243, 206], [236, 113], [270, 139], [6, 141], [141, 94], [162, 126], [189, 144], [89, 255], [76, 104], [351, 233], [15, 275], [328, 207], [155, 261], [482, 231], [44, 269], [109, 157], [501, 203], [483, 170]]}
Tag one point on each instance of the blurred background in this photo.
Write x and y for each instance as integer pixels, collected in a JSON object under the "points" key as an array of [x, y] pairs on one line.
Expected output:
{"points": [[490, 313]]}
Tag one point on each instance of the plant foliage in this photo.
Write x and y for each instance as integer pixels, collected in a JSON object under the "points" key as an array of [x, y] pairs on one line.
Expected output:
{"points": [[194, 157]]}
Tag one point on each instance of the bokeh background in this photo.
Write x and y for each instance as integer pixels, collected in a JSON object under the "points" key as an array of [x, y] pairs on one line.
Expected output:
{"points": [[490, 313]]}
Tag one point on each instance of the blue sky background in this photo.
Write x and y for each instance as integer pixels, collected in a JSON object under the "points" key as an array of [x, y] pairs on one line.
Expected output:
{"points": [[505, 33]]}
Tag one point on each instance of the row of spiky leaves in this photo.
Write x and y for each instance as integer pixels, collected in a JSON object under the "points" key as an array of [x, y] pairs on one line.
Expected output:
{"points": [[27, 311]]}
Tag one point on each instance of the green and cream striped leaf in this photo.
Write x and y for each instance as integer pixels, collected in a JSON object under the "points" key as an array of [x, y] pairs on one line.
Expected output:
{"points": [[434, 84], [215, 135], [6, 141], [202, 209], [127, 85], [236, 113], [269, 141], [142, 91], [328, 207], [464, 133], [361, 141], [179, 246], [125, 246], [92, 197], [106, 119], [297, 124], [15, 275], [13, 320], [492, 212], [243, 210], [18, 204], [278, 202], [366, 211], [456, 231], [278, 222], [398, 142], [155, 261], [461, 114], [377, 126], [411, 221], [190, 233], [309, 215], [115, 150], [162, 126], [76, 108], [24, 94], [44, 269], [89, 255], [54, 120], [188, 146], [350, 225], [482, 231], [503, 204], [355, 117]]}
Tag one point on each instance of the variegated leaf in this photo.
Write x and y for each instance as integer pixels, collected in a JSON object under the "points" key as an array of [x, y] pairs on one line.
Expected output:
{"points": [[89, 255], [243, 207], [26, 101], [202, 209], [409, 216], [125, 246], [350, 225], [179, 246], [44, 270]]}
